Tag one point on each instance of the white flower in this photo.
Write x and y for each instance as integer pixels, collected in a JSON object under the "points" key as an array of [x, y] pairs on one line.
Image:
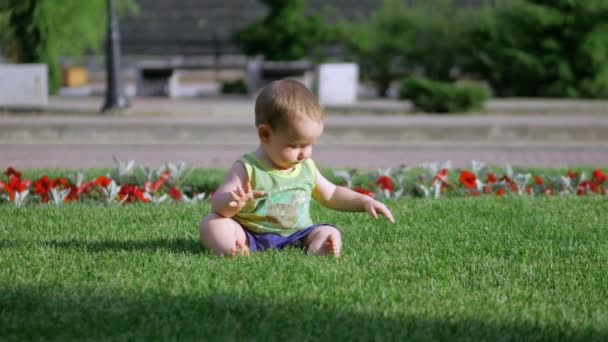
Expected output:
{"points": [[194, 199], [111, 191], [59, 195]]}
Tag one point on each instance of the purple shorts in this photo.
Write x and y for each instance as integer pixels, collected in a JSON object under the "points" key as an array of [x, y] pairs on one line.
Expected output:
{"points": [[262, 242]]}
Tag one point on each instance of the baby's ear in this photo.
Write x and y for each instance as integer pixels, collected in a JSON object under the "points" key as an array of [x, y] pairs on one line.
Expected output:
{"points": [[264, 132]]}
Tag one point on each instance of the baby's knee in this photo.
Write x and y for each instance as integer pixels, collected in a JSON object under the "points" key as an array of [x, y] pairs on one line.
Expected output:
{"points": [[206, 226], [205, 223]]}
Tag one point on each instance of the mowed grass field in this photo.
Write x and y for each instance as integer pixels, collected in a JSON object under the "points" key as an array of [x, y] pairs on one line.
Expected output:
{"points": [[500, 268]]}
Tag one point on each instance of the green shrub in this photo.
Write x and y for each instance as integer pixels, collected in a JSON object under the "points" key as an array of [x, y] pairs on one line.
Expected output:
{"points": [[395, 39], [553, 48], [443, 97], [285, 34], [234, 87]]}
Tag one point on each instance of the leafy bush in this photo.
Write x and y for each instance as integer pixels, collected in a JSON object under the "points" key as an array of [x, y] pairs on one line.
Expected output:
{"points": [[285, 34], [443, 97], [234, 87], [397, 39], [544, 48]]}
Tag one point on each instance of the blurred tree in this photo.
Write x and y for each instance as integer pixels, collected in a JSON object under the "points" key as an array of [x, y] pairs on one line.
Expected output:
{"points": [[286, 33], [41, 31], [380, 45], [398, 40], [555, 48]]}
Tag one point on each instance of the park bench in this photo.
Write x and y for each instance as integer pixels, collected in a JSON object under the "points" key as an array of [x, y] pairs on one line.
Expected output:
{"points": [[261, 72], [162, 77]]}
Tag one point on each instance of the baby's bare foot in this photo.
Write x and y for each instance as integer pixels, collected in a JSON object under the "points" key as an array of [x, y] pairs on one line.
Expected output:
{"points": [[239, 249], [331, 246]]}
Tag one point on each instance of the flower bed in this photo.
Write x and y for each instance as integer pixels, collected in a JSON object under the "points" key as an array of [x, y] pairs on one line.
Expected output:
{"points": [[434, 180], [166, 184]]}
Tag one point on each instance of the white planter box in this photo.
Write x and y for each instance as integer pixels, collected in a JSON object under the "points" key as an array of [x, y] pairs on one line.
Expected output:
{"points": [[337, 83], [23, 85]]}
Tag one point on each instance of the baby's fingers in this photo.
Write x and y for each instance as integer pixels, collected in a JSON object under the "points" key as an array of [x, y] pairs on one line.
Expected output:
{"points": [[235, 199], [388, 215], [235, 196], [247, 187], [258, 194], [372, 211], [384, 211]]}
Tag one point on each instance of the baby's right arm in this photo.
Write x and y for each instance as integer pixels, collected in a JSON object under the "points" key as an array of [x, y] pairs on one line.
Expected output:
{"points": [[234, 193]]}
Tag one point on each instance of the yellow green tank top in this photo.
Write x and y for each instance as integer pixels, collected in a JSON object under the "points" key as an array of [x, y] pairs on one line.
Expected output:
{"points": [[285, 208]]}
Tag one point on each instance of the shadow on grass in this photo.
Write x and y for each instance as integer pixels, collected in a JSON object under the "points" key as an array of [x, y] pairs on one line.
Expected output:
{"points": [[68, 313], [175, 245]]}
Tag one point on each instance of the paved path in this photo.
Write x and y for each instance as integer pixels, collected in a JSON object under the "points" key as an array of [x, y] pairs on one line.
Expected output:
{"points": [[213, 132], [367, 157]]}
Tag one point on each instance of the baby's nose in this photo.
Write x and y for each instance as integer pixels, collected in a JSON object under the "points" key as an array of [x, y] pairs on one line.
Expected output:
{"points": [[305, 153]]}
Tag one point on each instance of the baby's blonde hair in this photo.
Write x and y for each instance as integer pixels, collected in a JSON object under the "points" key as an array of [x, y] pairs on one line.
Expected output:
{"points": [[284, 100]]}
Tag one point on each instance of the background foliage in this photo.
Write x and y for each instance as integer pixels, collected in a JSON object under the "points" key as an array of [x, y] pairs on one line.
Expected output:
{"points": [[442, 97], [399, 40], [553, 48], [286, 33], [41, 31]]}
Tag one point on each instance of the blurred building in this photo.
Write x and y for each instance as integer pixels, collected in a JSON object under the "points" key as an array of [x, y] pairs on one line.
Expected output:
{"points": [[205, 27]]}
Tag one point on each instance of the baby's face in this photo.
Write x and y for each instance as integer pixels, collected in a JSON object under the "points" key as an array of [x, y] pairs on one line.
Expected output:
{"points": [[293, 144]]}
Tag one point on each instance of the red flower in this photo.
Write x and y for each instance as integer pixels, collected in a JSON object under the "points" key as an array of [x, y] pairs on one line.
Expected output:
{"points": [[572, 174], [1, 185], [62, 182], [150, 187], [491, 178], [15, 185], [585, 186], [441, 176], [468, 179], [103, 181], [500, 192], [43, 187], [385, 183], [73, 195], [599, 177], [363, 191], [175, 194], [11, 172], [160, 181], [85, 188], [538, 180], [510, 183], [528, 190], [132, 193]]}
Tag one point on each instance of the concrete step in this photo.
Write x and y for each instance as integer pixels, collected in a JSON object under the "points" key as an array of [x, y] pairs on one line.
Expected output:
{"points": [[339, 130]]}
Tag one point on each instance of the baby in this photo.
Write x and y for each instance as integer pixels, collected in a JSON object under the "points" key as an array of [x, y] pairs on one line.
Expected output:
{"points": [[264, 202]]}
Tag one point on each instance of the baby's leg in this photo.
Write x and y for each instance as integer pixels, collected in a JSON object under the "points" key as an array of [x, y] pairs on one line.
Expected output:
{"points": [[223, 235], [325, 240]]}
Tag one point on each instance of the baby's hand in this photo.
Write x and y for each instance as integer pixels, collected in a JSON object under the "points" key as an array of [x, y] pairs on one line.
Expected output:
{"points": [[374, 208], [241, 196]]}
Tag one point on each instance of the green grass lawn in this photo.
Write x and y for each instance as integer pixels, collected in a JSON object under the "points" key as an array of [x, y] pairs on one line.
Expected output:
{"points": [[467, 268]]}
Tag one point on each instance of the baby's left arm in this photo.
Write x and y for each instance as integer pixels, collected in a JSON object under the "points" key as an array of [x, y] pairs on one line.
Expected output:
{"points": [[344, 199]]}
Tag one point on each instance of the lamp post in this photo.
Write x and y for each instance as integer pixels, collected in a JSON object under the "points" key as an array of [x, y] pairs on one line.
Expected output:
{"points": [[115, 97]]}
